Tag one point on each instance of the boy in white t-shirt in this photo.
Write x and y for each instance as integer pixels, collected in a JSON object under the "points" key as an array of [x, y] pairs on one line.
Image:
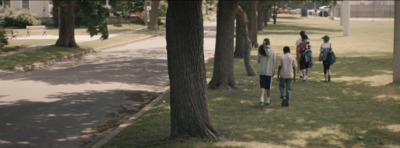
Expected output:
{"points": [[286, 74]]}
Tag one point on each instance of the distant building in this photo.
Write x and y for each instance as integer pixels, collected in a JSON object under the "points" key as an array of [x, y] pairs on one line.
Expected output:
{"points": [[368, 9], [41, 8]]}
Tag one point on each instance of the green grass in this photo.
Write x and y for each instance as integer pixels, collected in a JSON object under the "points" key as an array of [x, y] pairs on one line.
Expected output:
{"points": [[360, 101], [78, 31], [40, 55], [52, 52]]}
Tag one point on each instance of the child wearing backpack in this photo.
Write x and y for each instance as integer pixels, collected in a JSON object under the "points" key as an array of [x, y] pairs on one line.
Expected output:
{"points": [[304, 56], [326, 47]]}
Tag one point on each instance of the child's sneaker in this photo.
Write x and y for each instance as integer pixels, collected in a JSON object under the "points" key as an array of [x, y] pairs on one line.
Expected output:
{"points": [[268, 101]]}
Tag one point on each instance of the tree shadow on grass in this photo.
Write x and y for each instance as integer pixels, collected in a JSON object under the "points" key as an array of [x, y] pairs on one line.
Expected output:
{"points": [[334, 114]]}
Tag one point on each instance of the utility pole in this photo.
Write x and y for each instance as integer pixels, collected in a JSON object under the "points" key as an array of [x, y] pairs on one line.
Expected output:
{"points": [[396, 51]]}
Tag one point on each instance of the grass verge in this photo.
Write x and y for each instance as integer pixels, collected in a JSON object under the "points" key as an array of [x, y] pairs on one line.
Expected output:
{"points": [[40, 55], [52, 52], [359, 108]]}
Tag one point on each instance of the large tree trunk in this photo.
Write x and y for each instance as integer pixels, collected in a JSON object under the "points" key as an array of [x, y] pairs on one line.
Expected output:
{"points": [[66, 36], [189, 106], [396, 51], [250, 7], [242, 34], [223, 76], [154, 15], [260, 15]]}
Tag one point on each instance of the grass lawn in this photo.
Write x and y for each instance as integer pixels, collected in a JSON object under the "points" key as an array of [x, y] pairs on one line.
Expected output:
{"points": [[359, 108], [52, 52], [40, 55], [78, 31]]}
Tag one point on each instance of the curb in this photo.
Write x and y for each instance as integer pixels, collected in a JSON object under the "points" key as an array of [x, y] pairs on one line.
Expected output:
{"points": [[128, 42], [111, 133], [37, 65], [75, 56]]}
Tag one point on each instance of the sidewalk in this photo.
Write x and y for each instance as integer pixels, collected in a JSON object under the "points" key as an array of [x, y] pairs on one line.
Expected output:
{"points": [[59, 105]]}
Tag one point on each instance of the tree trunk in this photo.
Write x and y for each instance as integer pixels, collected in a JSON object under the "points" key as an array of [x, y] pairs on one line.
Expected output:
{"points": [[244, 38], [66, 36], [190, 115], [260, 15], [396, 51], [223, 76], [154, 15], [251, 10], [267, 16], [239, 48]]}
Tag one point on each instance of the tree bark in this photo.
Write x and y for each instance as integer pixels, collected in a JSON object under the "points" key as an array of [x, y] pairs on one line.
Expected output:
{"points": [[239, 48], [267, 16], [250, 7], [189, 106], [260, 15], [154, 15], [396, 51], [66, 37], [223, 76], [242, 35]]}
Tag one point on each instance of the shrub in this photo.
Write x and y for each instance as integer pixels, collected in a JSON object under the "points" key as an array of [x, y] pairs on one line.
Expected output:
{"points": [[162, 10], [3, 38], [18, 18]]}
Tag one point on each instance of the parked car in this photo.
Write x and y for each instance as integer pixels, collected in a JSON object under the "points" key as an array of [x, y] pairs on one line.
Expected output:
{"points": [[295, 11], [282, 11]]}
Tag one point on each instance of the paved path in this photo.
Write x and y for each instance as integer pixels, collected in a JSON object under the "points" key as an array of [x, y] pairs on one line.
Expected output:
{"points": [[49, 107]]}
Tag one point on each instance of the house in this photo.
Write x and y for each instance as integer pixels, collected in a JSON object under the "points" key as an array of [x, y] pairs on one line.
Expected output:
{"points": [[40, 8]]}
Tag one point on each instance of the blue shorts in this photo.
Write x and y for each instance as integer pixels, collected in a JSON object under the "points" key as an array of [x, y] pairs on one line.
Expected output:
{"points": [[265, 82]]}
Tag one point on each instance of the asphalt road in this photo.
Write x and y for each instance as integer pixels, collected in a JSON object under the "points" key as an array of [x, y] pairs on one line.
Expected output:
{"points": [[49, 107]]}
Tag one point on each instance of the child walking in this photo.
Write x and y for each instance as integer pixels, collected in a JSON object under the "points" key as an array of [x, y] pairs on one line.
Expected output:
{"points": [[326, 47], [266, 70], [286, 74]]}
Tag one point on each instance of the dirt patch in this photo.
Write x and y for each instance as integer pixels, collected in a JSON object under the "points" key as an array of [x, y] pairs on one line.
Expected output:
{"points": [[139, 99]]}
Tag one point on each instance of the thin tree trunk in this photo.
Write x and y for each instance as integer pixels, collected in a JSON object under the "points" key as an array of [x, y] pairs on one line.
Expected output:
{"points": [[260, 15], [245, 40], [223, 76], [267, 16], [190, 115], [251, 10], [396, 51], [239, 48], [66, 37], [154, 15]]}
